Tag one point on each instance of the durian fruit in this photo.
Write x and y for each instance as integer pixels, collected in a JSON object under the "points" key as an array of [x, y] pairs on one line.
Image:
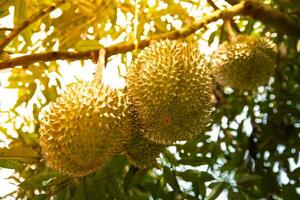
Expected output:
{"points": [[245, 63], [170, 85], [84, 128], [139, 151]]}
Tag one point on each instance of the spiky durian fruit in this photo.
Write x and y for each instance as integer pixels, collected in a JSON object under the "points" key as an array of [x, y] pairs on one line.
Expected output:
{"points": [[139, 151], [245, 63], [170, 85], [84, 128]]}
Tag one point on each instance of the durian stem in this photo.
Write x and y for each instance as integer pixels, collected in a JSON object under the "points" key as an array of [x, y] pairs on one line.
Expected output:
{"points": [[100, 65], [32, 19], [259, 11], [229, 30]]}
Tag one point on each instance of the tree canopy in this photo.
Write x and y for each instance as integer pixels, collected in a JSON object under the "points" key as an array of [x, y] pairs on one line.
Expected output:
{"points": [[249, 151]]}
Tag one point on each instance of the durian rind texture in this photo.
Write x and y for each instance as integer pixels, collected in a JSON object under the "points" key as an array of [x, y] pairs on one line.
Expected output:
{"points": [[245, 63], [84, 128], [139, 151], [170, 85]]}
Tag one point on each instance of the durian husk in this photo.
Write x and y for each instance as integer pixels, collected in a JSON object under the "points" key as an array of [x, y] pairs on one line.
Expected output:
{"points": [[84, 128], [245, 63], [139, 151], [170, 85]]}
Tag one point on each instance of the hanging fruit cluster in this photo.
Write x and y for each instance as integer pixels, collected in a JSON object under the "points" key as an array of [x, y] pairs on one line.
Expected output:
{"points": [[167, 99]]}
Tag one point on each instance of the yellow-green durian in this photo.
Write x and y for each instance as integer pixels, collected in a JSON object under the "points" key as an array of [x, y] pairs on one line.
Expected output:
{"points": [[84, 128], [245, 63], [170, 85], [139, 151]]}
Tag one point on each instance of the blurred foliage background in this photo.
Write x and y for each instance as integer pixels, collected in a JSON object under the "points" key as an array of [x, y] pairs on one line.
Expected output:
{"points": [[250, 151]]}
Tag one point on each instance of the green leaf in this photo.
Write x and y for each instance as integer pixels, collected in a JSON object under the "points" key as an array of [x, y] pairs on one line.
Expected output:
{"points": [[80, 192], [38, 180], [50, 93], [196, 188], [248, 179], [194, 161], [4, 5], [194, 175], [25, 94], [19, 153], [295, 173], [11, 164], [92, 192], [217, 190], [113, 188], [212, 37], [249, 26], [64, 194], [40, 197], [20, 12], [83, 45], [234, 195], [170, 178], [129, 177], [100, 190]]}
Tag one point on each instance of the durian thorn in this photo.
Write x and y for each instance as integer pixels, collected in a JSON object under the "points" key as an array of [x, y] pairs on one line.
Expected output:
{"points": [[100, 64]]}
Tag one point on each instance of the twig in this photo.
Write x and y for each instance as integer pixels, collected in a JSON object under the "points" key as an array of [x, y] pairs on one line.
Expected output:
{"points": [[212, 4], [6, 29], [233, 1], [259, 11], [16, 31]]}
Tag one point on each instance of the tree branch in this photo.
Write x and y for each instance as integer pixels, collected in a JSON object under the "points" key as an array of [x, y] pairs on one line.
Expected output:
{"points": [[212, 4], [123, 47], [6, 29], [259, 11], [35, 17], [277, 19]]}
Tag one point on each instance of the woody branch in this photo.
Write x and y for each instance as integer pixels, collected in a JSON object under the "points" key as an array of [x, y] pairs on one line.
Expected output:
{"points": [[259, 11]]}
